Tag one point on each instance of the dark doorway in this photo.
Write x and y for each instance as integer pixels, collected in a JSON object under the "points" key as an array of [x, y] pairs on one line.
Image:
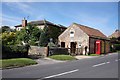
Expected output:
{"points": [[63, 44], [73, 47]]}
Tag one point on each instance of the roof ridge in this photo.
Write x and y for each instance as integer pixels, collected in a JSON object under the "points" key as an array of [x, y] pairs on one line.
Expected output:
{"points": [[90, 31], [85, 26]]}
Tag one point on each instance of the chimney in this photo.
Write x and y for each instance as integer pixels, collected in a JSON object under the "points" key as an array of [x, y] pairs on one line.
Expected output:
{"points": [[24, 22]]}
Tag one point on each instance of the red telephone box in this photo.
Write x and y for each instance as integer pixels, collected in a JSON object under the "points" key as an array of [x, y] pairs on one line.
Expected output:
{"points": [[98, 47]]}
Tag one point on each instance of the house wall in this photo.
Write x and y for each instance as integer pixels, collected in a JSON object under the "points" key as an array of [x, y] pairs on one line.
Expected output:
{"points": [[92, 45], [105, 47], [41, 26], [80, 37], [19, 28]]}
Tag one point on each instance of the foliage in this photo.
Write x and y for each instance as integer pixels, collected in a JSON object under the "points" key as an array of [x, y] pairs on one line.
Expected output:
{"points": [[117, 47], [47, 33], [62, 57], [44, 37], [51, 44], [16, 62], [10, 51], [115, 44], [5, 29], [8, 38], [30, 35]]}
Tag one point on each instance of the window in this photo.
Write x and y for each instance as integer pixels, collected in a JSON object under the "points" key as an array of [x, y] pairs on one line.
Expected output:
{"points": [[71, 32], [62, 44]]}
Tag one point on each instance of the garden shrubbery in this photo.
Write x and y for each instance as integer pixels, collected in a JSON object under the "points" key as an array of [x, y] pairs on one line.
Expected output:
{"points": [[117, 47], [12, 51]]}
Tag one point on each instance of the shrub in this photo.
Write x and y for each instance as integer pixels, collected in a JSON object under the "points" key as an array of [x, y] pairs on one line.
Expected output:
{"points": [[14, 51], [8, 38], [117, 46]]}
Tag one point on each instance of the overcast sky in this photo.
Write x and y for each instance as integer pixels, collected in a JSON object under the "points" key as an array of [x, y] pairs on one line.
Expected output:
{"points": [[98, 15]]}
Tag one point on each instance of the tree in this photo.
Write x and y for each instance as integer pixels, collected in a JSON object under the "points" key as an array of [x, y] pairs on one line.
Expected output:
{"points": [[47, 33], [5, 29], [8, 38], [115, 43], [30, 34], [44, 38]]}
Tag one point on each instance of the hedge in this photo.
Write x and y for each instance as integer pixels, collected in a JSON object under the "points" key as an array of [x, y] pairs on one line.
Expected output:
{"points": [[117, 46], [12, 51]]}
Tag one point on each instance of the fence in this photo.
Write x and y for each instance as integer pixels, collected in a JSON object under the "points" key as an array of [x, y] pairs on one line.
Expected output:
{"points": [[70, 51]]}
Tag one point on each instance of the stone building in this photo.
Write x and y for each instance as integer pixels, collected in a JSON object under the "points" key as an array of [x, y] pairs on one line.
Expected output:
{"points": [[116, 34], [80, 36]]}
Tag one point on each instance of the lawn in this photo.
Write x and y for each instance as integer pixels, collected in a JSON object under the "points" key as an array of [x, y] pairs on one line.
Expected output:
{"points": [[16, 62], [94, 55], [62, 57]]}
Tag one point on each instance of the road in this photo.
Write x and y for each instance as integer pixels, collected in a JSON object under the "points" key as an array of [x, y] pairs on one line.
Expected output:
{"points": [[97, 67]]}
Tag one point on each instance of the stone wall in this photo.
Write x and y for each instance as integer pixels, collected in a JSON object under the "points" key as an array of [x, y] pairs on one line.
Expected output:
{"points": [[40, 51], [80, 37]]}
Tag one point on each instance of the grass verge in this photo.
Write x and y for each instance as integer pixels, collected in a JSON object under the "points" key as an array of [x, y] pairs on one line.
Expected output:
{"points": [[94, 55], [16, 62], [62, 57]]}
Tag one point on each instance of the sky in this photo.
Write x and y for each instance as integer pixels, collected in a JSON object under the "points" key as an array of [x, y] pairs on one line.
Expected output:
{"points": [[99, 15]]}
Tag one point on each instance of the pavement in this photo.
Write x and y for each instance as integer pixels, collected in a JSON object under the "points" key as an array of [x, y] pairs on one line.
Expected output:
{"points": [[46, 61], [96, 67], [84, 57]]}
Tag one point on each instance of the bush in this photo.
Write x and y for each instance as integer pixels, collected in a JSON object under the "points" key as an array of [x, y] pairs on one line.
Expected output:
{"points": [[14, 51], [8, 38], [117, 46]]}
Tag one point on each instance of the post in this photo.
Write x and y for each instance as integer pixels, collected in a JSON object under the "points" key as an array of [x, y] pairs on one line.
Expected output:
{"points": [[47, 51]]}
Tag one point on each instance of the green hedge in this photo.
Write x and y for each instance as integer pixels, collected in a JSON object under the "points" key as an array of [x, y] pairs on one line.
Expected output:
{"points": [[12, 51], [117, 46]]}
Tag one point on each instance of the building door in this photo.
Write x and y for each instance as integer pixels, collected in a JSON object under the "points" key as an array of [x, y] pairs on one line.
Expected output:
{"points": [[73, 47], [63, 44], [98, 48]]}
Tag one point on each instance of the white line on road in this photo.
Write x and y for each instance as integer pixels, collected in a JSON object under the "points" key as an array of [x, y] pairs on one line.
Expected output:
{"points": [[98, 64], [107, 62], [62, 73], [116, 60]]}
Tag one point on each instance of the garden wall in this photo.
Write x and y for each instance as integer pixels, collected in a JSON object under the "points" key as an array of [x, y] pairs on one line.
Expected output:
{"points": [[39, 51]]}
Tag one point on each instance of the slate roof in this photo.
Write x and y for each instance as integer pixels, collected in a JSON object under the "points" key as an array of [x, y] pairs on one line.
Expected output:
{"points": [[40, 22], [116, 34], [91, 32]]}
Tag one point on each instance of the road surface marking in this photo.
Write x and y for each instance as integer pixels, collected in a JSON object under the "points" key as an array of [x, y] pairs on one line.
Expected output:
{"points": [[107, 62], [62, 73], [116, 60], [98, 64], [110, 54]]}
